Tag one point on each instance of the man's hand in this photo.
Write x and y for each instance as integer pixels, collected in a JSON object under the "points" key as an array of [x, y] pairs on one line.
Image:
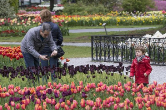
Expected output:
{"points": [[54, 53], [43, 57], [145, 74]]}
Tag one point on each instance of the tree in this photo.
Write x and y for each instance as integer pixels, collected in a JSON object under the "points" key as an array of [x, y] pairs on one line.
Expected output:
{"points": [[137, 5], [6, 9]]}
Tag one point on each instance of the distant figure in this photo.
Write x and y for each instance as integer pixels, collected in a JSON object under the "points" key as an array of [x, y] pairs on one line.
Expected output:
{"points": [[141, 67]]}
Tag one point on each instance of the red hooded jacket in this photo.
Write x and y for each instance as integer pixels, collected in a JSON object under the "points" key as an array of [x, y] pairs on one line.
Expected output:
{"points": [[139, 68]]}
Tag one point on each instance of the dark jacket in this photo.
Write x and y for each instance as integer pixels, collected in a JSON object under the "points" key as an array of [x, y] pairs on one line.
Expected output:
{"points": [[33, 44], [139, 68], [57, 37]]}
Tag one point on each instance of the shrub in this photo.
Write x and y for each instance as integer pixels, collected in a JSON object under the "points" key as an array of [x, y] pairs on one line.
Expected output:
{"points": [[137, 5], [6, 9], [14, 4], [81, 9]]}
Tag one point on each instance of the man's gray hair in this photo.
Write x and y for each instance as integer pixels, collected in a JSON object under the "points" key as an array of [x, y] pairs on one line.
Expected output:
{"points": [[45, 27]]}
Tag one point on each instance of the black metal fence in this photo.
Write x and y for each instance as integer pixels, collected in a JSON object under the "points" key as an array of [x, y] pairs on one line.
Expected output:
{"points": [[120, 48]]}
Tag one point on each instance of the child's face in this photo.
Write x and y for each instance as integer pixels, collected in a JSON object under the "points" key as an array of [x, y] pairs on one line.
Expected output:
{"points": [[138, 53]]}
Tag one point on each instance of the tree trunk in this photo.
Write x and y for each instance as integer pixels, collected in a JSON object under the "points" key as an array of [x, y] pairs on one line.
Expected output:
{"points": [[55, 1], [51, 5]]}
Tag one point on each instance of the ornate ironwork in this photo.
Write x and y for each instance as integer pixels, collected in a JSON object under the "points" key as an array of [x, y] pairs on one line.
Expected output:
{"points": [[120, 48]]}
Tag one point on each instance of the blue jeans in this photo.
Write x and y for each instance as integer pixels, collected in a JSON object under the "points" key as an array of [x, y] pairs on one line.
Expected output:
{"points": [[52, 62], [30, 60]]}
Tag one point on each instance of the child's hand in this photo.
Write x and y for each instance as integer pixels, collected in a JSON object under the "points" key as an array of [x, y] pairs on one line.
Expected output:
{"points": [[145, 74], [131, 77]]}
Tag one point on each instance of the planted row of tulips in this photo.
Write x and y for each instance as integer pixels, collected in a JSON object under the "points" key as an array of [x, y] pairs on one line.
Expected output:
{"points": [[89, 96]]}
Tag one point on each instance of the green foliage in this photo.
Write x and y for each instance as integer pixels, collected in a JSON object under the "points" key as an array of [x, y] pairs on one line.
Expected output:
{"points": [[5, 9], [14, 4], [137, 5], [80, 8]]}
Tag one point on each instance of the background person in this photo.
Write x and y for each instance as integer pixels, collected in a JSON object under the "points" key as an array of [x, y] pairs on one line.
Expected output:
{"points": [[141, 67], [33, 42], [57, 37]]}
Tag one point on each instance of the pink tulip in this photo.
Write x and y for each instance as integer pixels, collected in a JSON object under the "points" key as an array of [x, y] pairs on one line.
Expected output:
{"points": [[100, 84], [87, 107], [11, 92], [1, 107], [119, 84], [12, 104], [111, 99], [4, 89], [6, 105], [49, 84], [155, 83], [11, 86], [79, 88], [121, 105], [86, 89], [48, 100], [93, 85], [18, 106], [98, 89], [129, 83], [115, 87], [117, 100], [53, 102], [140, 106], [133, 93], [38, 101], [128, 88], [15, 90], [7, 94], [67, 107], [82, 103], [63, 104], [23, 106], [8, 108], [57, 106], [80, 83], [127, 100], [94, 108], [73, 85], [115, 106]]}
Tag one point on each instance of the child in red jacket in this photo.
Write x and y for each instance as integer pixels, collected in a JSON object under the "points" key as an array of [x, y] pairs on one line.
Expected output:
{"points": [[140, 67]]}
